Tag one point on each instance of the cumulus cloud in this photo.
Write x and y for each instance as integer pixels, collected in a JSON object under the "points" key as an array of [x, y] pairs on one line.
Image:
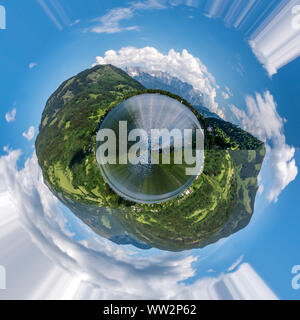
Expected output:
{"points": [[101, 269], [262, 120], [182, 65], [11, 115], [29, 134]]}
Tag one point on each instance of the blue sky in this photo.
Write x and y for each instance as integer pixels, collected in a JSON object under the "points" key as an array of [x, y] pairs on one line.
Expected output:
{"points": [[48, 41]]}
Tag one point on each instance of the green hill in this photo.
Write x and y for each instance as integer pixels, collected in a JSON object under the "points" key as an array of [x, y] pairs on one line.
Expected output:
{"points": [[218, 203]]}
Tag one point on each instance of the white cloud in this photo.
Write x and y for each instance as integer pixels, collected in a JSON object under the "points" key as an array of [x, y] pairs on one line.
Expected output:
{"points": [[6, 148], [182, 65], [262, 120], [29, 134], [274, 31], [149, 4], [74, 22], [284, 164], [110, 22], [11, 115], [242, 284], [229, 91], [235, 264], [56, 13], [50, 14], [260, 189], [276, 42], [225, 95], [97, 268], [32, 65]]}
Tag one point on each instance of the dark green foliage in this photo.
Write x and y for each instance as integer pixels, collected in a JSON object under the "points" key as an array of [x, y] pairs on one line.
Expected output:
{"points": [[229, 135]]}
